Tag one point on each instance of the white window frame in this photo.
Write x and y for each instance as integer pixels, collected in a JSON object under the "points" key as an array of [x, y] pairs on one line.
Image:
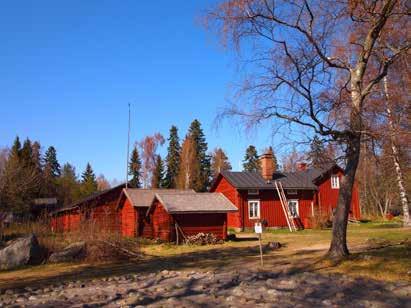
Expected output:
{"points": [[335, 181], [297, 208], [254, 192], [292, 191], [258, 212]]}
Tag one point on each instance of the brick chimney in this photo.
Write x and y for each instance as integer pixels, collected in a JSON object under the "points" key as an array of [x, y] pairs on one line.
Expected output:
{"points": [[301, 166], [267, 165]]}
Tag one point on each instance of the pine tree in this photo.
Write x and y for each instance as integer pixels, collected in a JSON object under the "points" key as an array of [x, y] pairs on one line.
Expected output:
{"points": [[202, 181], [219, 162], [19, 182], [318, 156], [172, 159], [88, 181], [36, 156], [135, 169], [157, 180], [251, 162]]}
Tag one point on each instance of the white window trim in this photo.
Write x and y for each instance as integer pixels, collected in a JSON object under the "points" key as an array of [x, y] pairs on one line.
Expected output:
{"points": [[297, 207], [335, 182], [254, 192], [292, 191], [258, 209]]}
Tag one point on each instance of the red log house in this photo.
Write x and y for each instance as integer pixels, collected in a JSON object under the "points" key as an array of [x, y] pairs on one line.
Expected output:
{"points": [[308, 191]]}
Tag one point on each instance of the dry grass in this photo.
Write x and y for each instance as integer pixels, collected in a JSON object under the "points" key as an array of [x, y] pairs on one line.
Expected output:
{"points": [[303, 251]]}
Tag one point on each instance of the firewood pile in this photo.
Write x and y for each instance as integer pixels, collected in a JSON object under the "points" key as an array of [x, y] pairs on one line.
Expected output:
{"points": [[203, 239]]}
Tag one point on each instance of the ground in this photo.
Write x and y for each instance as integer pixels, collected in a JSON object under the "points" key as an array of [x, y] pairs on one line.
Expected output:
{"points": [[378, 274]]}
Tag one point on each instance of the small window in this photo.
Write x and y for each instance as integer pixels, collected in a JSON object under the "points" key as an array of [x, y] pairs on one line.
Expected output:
{"points": [[292, 191], [254, 209], [293, 207], [335, 182], [253, 191]]}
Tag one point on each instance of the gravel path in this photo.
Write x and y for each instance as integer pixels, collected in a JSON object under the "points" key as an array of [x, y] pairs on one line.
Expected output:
{"points": [[243, 288]]}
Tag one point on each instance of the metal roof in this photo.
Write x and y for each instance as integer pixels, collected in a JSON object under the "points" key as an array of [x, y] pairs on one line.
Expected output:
{"points": [[290, 180], [195, 202]]}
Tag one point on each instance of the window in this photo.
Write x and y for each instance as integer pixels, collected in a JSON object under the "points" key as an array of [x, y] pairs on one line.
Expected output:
{"points": [[253, 191], [292, 191], [335, 182], [293, 207], [254, 209]]}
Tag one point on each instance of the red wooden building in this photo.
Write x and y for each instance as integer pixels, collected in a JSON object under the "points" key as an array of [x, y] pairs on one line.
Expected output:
{"points": [[99, 210], [159, 213], [133, 205], [309, 192]]}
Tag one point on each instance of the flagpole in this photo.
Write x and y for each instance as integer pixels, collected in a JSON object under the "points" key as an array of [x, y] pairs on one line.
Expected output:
{"points": [[128, 144]]}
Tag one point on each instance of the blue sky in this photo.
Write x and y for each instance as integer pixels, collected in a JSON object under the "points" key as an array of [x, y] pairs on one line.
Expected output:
{"points": [[69, 69]]}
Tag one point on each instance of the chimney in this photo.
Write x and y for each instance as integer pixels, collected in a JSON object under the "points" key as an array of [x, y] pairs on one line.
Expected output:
{"points": [[267, 165], [301, 166]]}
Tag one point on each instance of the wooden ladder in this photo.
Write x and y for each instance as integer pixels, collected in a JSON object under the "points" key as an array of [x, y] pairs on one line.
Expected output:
{"points": [[284, 204]]}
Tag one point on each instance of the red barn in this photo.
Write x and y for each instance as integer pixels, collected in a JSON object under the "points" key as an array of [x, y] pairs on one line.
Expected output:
{"points": [[133, 205], [308, 192], [99, 209], [189, 214]]}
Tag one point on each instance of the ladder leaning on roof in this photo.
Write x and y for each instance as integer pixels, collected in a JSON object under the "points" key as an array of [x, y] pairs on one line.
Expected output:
{"points": [[284, 204]]}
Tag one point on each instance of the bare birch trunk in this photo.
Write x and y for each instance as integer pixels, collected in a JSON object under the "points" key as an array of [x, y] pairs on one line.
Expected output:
{"points": [[396, 159]]}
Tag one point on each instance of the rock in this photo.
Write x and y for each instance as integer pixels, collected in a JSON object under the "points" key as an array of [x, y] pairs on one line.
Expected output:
{"points": [[71, 253], [22, 251], [238, 292]]}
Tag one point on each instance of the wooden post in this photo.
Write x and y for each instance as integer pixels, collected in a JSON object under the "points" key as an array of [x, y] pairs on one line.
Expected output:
{"points": [[258, 228], [177, 239], [261, 250]]}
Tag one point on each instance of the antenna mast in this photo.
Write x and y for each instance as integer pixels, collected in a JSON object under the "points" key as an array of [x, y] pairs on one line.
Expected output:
{"points": [[128, 145]]}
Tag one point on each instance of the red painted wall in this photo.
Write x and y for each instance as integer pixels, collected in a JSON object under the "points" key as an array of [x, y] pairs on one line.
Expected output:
{"points": [[271, 209], [66, 222], [328, 198], [224, 187], [128, 219], [214, 223], [162, 223]]}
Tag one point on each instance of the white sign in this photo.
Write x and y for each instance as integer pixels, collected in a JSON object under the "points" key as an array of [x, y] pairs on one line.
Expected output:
{"points": [[258, 228]]}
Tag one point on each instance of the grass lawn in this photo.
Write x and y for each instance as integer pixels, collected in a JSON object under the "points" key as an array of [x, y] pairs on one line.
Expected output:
{"points": [[302, 251]]}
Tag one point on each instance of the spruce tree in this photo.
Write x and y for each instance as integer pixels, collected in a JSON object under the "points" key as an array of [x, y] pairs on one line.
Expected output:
{"points": [[88, 181], [196, 133], [51, 164], [15, 151], [69, 187], [172, 159], [27, 153], [251, 162], [51, 172], [134, 169], [157, 180]]}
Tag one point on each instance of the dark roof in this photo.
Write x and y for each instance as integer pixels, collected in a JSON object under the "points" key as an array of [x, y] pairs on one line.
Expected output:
{"points": [[87, 199], [140, 197], [177, 202], [291, 180]]}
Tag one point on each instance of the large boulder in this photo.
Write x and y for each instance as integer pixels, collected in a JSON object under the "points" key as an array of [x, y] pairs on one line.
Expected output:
{"points": [[71, 253], [22, 251]]}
